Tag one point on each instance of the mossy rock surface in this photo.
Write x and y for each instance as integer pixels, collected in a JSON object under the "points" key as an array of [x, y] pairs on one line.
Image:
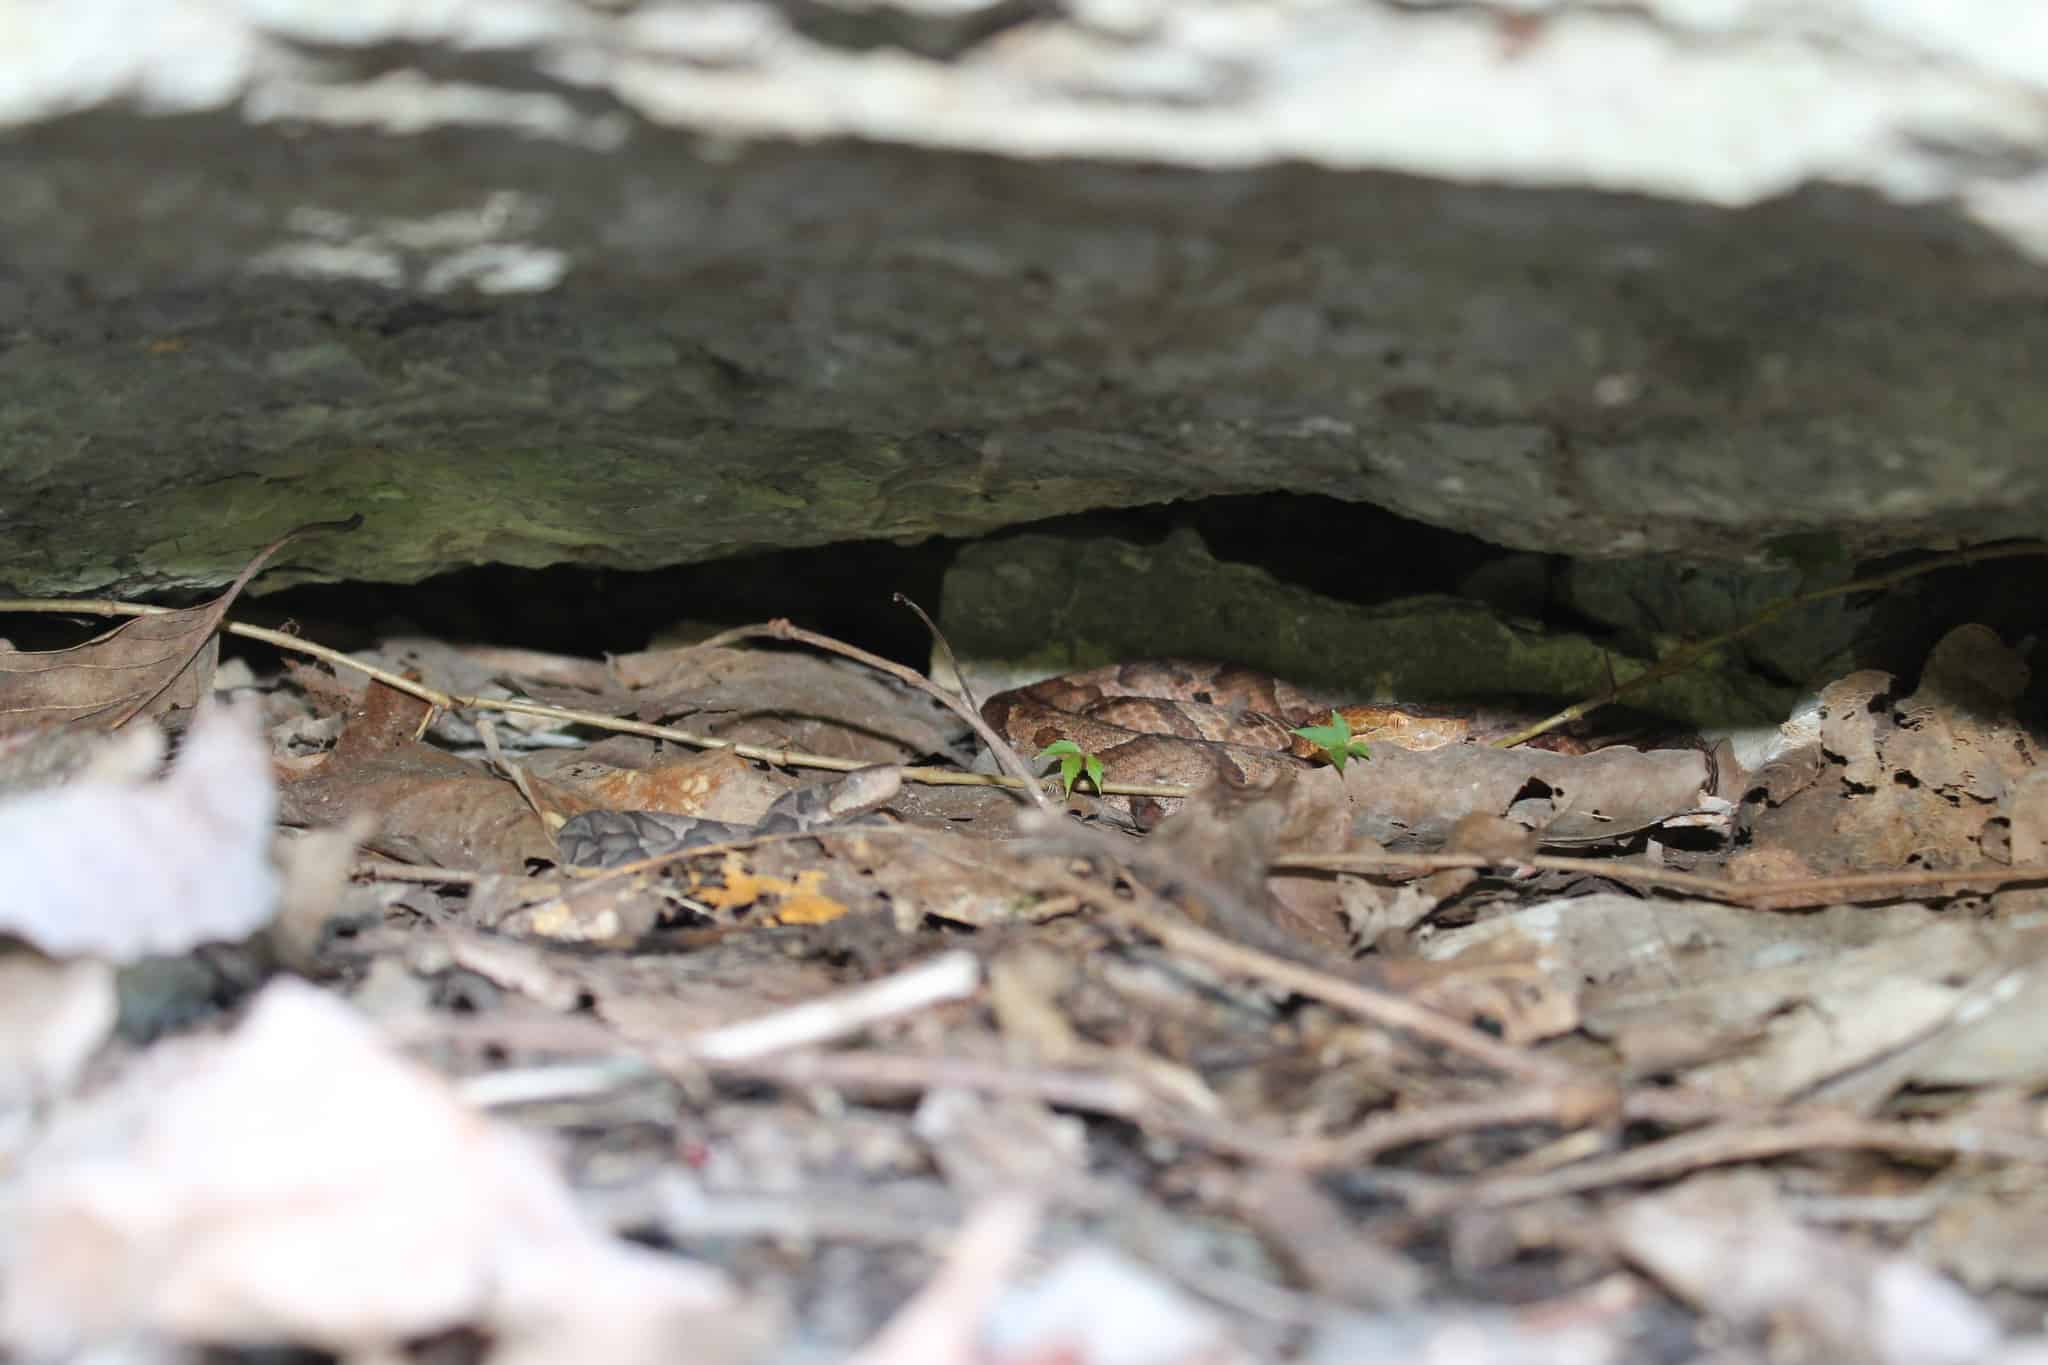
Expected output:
{"points": [[1026, 606]]}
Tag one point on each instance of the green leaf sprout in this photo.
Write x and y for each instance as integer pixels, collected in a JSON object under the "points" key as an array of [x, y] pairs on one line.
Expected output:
{"points": [[1073, 762], [1335, 740]]}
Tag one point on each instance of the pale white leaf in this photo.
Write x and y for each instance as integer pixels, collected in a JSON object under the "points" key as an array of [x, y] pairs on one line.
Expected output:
{"points": [[122, 869], [304, 1184]]}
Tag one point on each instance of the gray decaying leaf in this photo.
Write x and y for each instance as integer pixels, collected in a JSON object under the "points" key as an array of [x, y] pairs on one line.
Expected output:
{"points": [[1407, 799], [1726, 1243]]}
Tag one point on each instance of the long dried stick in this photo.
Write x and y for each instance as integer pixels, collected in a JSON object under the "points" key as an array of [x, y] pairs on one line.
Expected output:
{"points": [[1012, 762], [1019, 777], [1801, 891]]}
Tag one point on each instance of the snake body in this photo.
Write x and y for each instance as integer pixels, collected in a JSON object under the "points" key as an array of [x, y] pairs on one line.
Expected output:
{"points": [[1153, 721], [609, 838], [1190, 722]]}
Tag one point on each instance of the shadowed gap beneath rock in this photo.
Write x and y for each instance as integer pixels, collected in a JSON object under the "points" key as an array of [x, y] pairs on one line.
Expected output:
{"points": [[1352, 552]]}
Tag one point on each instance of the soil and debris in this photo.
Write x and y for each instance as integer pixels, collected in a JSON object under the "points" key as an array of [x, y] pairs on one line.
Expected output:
{"points": [[1725, 1052]]}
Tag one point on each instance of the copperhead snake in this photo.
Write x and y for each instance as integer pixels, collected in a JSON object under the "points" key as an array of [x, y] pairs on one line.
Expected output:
{"points": [[1190, 723], [1154, 721], [609, 838]]}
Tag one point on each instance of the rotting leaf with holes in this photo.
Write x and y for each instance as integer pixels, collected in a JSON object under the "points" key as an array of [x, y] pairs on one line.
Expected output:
{"points": [[145, 666], [1410, 799]]}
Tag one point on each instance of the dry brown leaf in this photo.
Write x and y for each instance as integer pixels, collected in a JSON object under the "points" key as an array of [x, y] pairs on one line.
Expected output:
{"points": [[1956, 734], [144, 666], [1852, 719], [491, 674], [431, 806], [1509, 985], [1774, 864], [776, 697], [1216, 847], [1919, 780]]}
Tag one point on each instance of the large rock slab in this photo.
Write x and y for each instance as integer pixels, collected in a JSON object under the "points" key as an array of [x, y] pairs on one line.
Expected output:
{"points": [[544, 283]]}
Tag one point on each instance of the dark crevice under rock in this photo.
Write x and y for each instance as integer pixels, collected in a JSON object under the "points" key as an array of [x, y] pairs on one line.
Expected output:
{"points": [[779, 346], [1211, 578]]}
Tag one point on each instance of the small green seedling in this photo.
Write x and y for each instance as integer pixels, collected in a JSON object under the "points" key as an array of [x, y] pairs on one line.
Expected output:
{"points": [[1335, 740], [1073, 761]]}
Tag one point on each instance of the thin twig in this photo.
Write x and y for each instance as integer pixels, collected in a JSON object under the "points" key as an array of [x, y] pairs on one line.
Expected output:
{"points": [[101, 606], [552, 1082], [781, 629], [1845, 887], [939, 636], [1072, 1088], [488, 732], [1019, 779], [1109, 1093], [946, 976], [384, 870], [1728, 1143], [594, 1052], [1567, 1107], [1384, 1008], [1251, 958], [582, 879], [1564, 1106]]}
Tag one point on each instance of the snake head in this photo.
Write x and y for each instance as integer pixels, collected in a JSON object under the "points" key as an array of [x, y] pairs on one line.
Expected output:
{"points": [[863, 789]]}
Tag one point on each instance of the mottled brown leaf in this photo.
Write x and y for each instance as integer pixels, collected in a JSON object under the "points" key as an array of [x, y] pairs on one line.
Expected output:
{"points": [[145, 666], [431, 806]]}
